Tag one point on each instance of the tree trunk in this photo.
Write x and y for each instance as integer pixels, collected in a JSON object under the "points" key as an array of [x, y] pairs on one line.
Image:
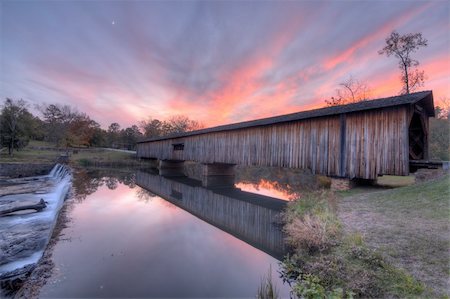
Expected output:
{"points": [[406, 78], [38, 207]]}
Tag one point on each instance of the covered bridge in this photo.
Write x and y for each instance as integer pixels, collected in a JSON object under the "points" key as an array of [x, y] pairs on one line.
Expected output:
{"points": [[361, 140]]}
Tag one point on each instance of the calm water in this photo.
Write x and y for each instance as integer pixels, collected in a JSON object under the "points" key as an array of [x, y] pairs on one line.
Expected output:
{"points": [[124, 240]]}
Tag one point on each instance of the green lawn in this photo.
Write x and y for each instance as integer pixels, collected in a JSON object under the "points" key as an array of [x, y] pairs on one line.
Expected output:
{"points": [[43, 152], [409, 226]]}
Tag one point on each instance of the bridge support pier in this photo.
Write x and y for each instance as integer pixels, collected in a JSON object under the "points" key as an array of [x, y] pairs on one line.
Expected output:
{"points": [[217, 175], [171, 168]]}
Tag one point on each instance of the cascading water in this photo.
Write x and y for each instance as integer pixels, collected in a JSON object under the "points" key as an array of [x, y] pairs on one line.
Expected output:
{"points": [[24, 237]]}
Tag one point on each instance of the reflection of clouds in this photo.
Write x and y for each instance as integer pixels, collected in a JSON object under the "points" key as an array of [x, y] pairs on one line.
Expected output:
{"points": [[269, 188]]}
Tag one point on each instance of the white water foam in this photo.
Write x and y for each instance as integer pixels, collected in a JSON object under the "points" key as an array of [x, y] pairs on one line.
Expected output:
{"points": [[60, 177]]}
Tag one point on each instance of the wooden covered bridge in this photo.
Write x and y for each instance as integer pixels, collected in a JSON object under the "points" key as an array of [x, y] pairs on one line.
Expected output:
{"points": [[356, 141]]}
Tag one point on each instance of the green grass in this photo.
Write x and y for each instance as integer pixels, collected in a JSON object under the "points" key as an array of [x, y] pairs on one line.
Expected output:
{"points": [[425, 200], [410, 226], [78, 157], [395, 181], [344, 267], [101, 156], [37, 143], [27, 155]]}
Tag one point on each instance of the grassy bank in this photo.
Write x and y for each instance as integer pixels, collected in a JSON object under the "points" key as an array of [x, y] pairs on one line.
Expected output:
{"points": [[409, 225], [42, 152], [380, 243]]}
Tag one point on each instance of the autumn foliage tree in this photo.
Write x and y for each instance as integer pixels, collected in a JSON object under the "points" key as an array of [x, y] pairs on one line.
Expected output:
{"points": [[174, 125], [440, 131], [402, 47]]}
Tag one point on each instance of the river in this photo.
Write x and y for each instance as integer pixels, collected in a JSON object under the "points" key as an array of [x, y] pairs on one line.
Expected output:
{"points": [[137, 234]]}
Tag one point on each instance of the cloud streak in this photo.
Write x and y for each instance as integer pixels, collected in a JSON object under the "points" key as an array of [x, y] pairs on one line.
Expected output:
{"points": [[216, 62]]}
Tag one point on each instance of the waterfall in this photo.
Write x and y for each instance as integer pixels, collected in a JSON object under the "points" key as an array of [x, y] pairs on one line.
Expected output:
{"points": [[24, 237]]}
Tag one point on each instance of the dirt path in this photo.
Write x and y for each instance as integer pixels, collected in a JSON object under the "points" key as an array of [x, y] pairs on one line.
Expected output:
{"points": [[410, 226]]}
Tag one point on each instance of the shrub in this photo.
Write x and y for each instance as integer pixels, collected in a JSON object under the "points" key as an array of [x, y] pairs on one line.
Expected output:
{"points": [[311, 224]]}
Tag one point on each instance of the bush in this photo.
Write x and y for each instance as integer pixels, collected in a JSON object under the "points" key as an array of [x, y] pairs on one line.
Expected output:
{"points": [[311, 224]]}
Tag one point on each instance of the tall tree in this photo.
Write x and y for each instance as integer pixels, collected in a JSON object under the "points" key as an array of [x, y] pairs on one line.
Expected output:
{"points": [[113, 135], [151, 127], [82, 129], [58, 119], [402, 46], [129, 137], [14, 123], [350, 91]]}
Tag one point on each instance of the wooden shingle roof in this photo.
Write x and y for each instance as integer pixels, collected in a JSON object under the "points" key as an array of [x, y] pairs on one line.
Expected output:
{"points": [[425, 96]]}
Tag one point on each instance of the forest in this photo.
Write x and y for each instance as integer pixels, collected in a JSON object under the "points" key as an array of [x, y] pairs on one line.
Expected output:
{"points": [[65, 126]]}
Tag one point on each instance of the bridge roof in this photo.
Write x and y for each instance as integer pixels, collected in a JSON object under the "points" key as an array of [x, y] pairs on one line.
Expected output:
{"points": [[409, 99]]}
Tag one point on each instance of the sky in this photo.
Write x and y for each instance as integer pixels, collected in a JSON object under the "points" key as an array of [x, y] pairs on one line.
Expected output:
{"points": [[216, 62]]}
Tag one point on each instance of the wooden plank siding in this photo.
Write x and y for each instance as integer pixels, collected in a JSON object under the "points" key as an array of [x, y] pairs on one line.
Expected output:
{"points": [[359, 140], [374, 145]]}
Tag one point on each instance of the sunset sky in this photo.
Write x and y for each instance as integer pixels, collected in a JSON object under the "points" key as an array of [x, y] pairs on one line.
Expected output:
{"points": [[213, 61]]}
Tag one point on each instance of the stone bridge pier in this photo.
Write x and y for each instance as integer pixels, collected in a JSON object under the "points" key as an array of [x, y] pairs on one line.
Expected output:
{"points": [[213, 175], [218, 175], [171, 168]]}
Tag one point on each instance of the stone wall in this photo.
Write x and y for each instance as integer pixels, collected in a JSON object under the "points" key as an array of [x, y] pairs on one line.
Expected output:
{"points": [[18, 170]]}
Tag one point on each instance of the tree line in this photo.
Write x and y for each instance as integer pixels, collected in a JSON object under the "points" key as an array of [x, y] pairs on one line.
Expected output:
{"points": [[65, 126]]}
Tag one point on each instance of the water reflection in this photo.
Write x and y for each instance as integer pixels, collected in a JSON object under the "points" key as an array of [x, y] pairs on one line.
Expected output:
{"points": [[250, 217], [269, 188], [87, 181], [129, 241]]}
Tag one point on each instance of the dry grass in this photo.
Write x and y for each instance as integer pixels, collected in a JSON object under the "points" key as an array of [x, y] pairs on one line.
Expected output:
{"points": [[311, 223], [311, 233]]}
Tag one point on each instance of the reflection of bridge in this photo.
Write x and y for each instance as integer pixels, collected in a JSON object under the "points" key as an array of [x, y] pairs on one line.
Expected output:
{"points": [[361, 140], [250, 217]]}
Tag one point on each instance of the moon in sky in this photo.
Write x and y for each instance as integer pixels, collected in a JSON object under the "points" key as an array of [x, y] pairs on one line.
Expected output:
{"points": [[113, 22]]}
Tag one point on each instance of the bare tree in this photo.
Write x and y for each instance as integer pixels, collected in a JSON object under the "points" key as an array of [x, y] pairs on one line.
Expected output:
{"points": [[350, 91], [402, 46]]}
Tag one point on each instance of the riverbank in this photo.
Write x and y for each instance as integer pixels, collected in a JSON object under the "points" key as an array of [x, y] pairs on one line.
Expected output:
{"points": [[39, 154], [371, 242]]}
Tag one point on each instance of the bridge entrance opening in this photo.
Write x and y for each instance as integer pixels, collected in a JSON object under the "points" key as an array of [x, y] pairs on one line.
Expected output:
{"points": [[417, 138]]}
